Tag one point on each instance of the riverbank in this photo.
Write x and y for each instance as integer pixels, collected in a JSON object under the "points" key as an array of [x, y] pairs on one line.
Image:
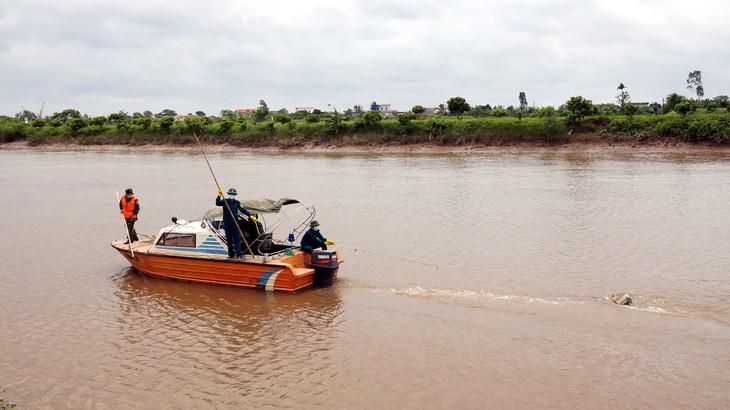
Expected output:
{"points": [[663, 146]]}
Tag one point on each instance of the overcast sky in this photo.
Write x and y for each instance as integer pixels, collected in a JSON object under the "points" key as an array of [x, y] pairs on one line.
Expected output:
{"points": [[101, 57]]}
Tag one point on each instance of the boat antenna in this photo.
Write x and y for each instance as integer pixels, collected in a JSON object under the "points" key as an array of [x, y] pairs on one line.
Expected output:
{"points": [[228, 207]]}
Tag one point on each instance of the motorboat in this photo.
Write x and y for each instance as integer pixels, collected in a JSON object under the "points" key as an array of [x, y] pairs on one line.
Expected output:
{"points": [[197, 251]]}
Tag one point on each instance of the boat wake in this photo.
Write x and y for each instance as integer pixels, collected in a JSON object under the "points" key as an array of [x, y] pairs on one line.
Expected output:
{"points": [[476, 298], [472, 298]]}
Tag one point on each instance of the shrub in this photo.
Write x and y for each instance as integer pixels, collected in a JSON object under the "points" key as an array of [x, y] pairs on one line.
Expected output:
{"points": [[683, 108], [372, 118], [312, 118], [166, 123], [578, 108], [75, 124]]}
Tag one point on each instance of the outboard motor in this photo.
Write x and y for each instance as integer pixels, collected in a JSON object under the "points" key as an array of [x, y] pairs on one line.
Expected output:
{"points": [[325, 266]]}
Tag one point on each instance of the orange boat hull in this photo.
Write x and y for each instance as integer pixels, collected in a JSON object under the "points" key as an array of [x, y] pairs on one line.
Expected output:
{"points": [[288, 274]]}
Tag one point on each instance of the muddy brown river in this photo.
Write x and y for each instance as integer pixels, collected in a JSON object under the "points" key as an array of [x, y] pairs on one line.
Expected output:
{"points": [[470, 281]]}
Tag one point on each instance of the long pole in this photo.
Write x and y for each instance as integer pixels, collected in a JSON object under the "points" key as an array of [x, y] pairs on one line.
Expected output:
{"points": [[126, 228], [228, 207]]}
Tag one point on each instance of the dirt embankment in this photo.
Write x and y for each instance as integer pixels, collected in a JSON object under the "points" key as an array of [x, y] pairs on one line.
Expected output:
{"points": [[665, 146]]}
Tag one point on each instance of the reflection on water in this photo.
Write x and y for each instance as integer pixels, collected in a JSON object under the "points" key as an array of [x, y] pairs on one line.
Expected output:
{"points": [[474, 278], [209, 335]]}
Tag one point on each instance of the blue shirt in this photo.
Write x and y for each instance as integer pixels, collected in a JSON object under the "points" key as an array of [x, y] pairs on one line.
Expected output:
{"points": [[313, 239], [235, 207]]}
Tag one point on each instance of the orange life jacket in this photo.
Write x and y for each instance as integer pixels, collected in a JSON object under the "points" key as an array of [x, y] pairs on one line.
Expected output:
{"points": [[128, 206]]}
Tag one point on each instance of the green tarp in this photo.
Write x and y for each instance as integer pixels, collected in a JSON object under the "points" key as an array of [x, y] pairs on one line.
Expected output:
{"points": [[255, 206]]}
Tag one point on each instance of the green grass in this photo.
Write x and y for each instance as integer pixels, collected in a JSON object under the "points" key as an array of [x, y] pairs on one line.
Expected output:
{"points": [[448, 131]]}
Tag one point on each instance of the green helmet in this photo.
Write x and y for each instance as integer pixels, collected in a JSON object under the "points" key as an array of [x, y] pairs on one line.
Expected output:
{"points": [[232, 191], [314, 223]]}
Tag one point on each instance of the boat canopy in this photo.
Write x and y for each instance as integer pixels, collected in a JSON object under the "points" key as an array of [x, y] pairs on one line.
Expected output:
{"points": [[255, 206]]}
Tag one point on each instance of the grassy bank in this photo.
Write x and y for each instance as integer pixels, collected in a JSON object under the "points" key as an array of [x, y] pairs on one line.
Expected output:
{"points": [[436, 130]]}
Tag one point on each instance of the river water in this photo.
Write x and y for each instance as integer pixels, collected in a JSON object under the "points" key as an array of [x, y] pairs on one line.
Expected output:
{"points": [[470, 281]]}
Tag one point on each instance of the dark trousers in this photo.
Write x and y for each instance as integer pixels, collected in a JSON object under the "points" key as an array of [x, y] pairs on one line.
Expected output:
{"points": [[233, 237], [309, 249], [130, 227]]}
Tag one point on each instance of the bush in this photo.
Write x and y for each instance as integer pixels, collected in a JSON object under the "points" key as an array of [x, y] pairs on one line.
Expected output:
{"points": [[75, 124], [683, 108], [312, 118], [372, 118], [166, 123], [13, 131], [143, 122]]}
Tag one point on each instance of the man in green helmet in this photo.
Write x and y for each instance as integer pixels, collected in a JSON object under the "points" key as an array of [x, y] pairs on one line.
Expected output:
{"points": [[230, 220]]}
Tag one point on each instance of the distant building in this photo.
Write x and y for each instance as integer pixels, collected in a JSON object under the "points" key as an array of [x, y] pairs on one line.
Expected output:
{"points": [[244, 111], [432, 111], [382, 108]]}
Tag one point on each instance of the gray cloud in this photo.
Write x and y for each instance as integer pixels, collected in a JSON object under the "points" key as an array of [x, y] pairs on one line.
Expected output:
{"points": [[102, 57]]}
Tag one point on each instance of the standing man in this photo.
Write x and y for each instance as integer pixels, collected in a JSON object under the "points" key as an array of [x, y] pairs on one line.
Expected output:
{"points": [[129, 205], [313, 239], [230, 220]]}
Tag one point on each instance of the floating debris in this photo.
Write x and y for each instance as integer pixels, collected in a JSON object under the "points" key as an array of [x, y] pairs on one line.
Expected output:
{"points": [[621, 299]]}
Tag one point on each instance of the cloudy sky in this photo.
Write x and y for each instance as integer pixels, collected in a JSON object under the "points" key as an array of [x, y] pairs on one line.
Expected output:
{"points": [[101, 57]]}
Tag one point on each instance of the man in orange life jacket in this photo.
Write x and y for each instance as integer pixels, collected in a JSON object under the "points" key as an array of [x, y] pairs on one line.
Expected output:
{"points": [[129, 205]]}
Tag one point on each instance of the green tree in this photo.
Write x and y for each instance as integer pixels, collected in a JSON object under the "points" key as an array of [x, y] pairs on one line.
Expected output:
{"points": [[722, 101], [312, 118], [479, 111], [578, 108], [546, 112], [148, 114], [26, 116], [418, 109], [523, 101], [225, 124], [672, 100], [262, 112], [282, 118], [38, 123], [623, 97], [118, 117], [630, 110], [372, 118], [166, 113], [457, 105], [144, 122], [76, 124], [98, 121], [406, 118], [499, 111], [200, 113], [66, 114], [334, 123], [166, 123], [228, 114], [694, 83], [683, 108]]}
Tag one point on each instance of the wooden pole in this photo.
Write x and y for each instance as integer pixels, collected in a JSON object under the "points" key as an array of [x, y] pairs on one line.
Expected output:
{"points": [[126, 228], [230, 212]]}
